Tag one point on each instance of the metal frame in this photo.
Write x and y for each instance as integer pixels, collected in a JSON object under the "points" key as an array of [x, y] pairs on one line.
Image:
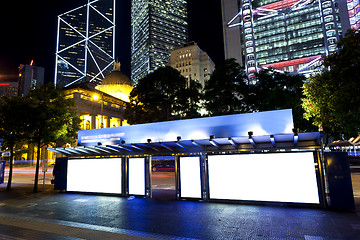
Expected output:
{"points": [[203, 148], [250, 143], [87, 41]]}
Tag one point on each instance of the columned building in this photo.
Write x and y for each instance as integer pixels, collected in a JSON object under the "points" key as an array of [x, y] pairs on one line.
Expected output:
{"points": [[104, 106], [290, 36], [157, 28], [85, 43], [192, 62]]}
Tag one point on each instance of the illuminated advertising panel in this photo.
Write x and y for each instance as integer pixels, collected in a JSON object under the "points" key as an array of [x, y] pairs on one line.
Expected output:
{"points": [[260, 123], [277, 177], [102, 175], [190, 180], [136, 176]]}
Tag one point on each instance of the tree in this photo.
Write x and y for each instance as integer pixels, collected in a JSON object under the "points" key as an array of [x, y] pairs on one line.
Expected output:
{"points": [[274, 90], [225, 91], [52, 119], [160, 96], [332, 97], [14, 126]]}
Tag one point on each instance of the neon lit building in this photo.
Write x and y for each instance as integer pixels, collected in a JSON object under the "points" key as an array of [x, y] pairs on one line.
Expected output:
{"points": [[354, 13], [157, 28], [287, 35], [85, 43]]}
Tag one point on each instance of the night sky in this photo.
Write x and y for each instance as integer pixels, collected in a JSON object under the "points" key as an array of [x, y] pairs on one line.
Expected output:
{"points": [[29, 28]]}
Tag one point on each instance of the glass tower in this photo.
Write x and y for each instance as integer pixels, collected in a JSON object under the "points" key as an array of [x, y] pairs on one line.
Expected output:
{"points": [[85, 43], [286, 35], [158, 26]]}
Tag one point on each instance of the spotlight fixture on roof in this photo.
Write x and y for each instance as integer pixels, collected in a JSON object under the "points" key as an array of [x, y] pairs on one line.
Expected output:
{"points": [[148, 140]]}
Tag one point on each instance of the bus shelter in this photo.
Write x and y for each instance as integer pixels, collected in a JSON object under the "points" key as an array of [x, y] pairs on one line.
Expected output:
{"points": [[253, 157]]}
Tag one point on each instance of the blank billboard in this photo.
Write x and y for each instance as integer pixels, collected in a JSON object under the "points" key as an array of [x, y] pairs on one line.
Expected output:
{"points": [[102, 175], [137, 176], [278, 177], [190, 180]]}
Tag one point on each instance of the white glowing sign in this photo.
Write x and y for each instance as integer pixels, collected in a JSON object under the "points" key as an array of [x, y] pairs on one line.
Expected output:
{"points": [[94, 175], [190, 181], [237, 125], [136, 176], [278, 177]]}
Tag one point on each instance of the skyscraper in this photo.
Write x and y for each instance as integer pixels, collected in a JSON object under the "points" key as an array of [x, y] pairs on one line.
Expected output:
{"points": [[85, 43], [158, 27], [30, 77], [287, 35]]}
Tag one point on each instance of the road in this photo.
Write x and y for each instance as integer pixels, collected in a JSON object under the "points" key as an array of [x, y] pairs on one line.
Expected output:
{"points": [[23, 174]]}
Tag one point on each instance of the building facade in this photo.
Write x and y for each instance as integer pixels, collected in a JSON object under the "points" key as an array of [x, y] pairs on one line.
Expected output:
{"points": [[30, 77], [289, 36], [104, 105], [85, 43], [192, 62], [231, 35], [9, 89], [157, 27]]}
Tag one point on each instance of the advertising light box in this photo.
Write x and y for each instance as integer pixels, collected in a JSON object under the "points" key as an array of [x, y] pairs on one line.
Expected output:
{"points": [[260, 123], [275, 177], [137, 176], [102, 175], [190, 179]]}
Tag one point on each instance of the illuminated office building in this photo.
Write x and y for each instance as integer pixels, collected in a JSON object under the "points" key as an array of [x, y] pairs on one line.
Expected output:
{"points": [[85, 43], [354, 13], [30, 77], [192, 62], [157, 28], [287, 35]]}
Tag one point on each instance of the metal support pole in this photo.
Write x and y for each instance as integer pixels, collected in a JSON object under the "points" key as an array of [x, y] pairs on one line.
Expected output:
{"points": [[177, 176], [125, 176], [204, 177], [148, 181]]}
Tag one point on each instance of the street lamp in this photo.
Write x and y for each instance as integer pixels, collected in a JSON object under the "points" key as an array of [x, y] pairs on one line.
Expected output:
{"points": [[96, 97]]}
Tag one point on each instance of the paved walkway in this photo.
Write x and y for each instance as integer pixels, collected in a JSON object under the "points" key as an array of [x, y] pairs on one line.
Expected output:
{"points": [[52, 215]]}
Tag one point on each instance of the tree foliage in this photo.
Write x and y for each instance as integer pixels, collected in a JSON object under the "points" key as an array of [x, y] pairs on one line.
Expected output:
{"points": [[332, 96], [52, 119], [44, 116], [274, 91], [14, 126], [161, 96], [225, 91]]}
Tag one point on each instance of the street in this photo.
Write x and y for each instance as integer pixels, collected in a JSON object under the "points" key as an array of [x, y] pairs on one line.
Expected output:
{"points": [[53, 215], [25, 174]]}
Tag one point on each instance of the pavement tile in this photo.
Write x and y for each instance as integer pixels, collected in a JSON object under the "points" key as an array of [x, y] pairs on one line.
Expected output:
{"points": [[86, 216]]}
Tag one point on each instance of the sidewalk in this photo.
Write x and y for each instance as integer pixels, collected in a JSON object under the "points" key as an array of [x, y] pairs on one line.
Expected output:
{"points": [[52, 215]]}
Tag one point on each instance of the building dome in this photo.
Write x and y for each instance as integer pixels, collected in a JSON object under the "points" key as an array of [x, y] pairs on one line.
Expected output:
{"points": [[116, 84], [116, 78]]}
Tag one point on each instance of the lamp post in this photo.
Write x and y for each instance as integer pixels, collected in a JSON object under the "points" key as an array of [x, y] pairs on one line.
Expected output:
{"points": [[96, 97]]}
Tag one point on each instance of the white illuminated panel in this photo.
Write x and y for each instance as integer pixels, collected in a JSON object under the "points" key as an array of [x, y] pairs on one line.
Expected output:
{"points": [[190, 181], [137, 176], [278, 177], [102, 175]]}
